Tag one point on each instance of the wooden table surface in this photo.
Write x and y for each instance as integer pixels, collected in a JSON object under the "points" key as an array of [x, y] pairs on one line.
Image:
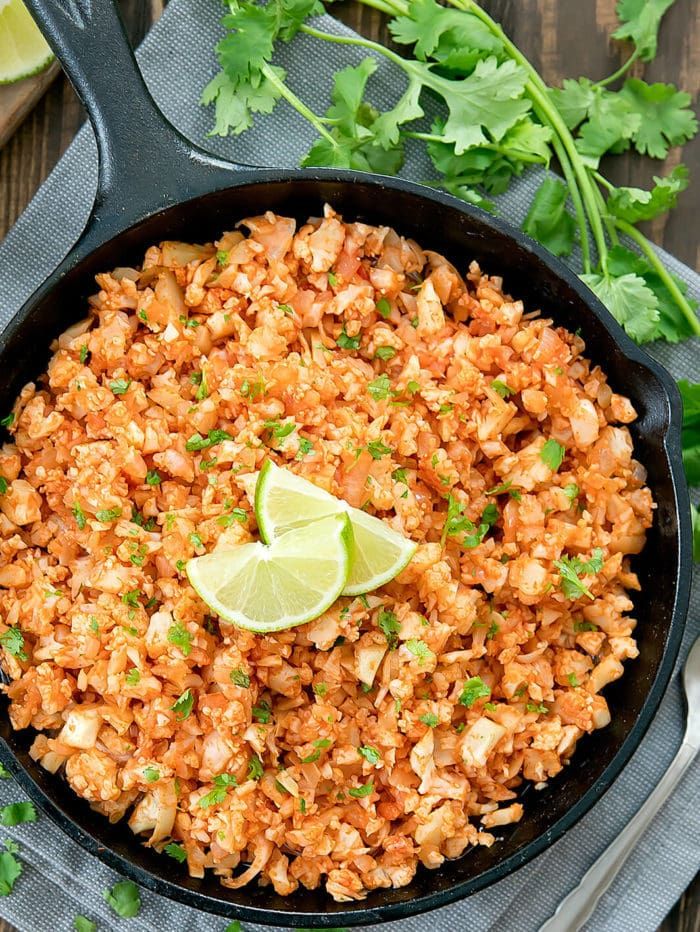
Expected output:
{"points": [[563, 38]]}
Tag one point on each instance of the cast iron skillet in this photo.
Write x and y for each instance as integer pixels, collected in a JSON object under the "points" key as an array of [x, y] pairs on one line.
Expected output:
{"points": [[154, 185]]}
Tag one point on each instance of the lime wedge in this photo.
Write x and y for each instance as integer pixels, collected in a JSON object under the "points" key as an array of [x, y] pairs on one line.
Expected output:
{"points": [[285, 502], [271, 588], [23, 49]]}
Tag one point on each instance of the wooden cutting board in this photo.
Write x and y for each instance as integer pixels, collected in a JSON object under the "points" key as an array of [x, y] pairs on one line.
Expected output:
{"points": [[16, 100]]}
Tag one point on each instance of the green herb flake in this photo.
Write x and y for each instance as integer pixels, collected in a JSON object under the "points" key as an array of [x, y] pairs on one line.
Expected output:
{"points": [[240, 678], [332, 279], [473, 690], [133, 677], [152, 774], [571, 491], [552, 454], [180, 637], [535, 707], [83, 924], [377, 449], [119, 386], [370, 754], [385, 353], [570, 569], [153, 478], [17, 813], [13, 642], [215, 797], [348, 343], [573, 680], [175, 851], [305, 446], [430, 719], [383, 308], [380, 388], [124, 898], [236, 514], [79, 516], [184, 705], [8, 420], [197, 442], [255, 768], [262, 712], [108, 515], [501, 388], [320, 689], [420, 651], [360, 792], [389, 625]]}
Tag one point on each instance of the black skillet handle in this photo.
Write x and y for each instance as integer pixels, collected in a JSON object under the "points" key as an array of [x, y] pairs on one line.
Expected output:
{"points": [[144, 163]]}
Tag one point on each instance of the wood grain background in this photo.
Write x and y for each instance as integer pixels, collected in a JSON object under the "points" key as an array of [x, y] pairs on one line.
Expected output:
{"points": [[563, 38]]}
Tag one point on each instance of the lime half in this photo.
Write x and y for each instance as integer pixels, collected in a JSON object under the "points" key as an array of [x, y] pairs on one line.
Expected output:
{"points": [[285, 502], [23, 50], [271, 588]]}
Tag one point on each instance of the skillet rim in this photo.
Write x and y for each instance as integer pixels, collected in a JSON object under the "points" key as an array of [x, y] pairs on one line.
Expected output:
{"points": [[672, 450]]}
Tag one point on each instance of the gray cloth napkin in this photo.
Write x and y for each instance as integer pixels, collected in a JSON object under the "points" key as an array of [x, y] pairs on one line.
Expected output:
{"points": [[60, 880]]}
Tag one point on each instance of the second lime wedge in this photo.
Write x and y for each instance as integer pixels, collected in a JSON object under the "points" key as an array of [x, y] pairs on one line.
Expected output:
{"points": [[285, 502], [270, 588]]}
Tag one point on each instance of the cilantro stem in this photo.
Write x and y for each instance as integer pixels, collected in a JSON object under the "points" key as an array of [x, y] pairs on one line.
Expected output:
{"points": [[298, 104], [403, 63], [577, 202], [624, 227], [491, 146], [620, 71]]}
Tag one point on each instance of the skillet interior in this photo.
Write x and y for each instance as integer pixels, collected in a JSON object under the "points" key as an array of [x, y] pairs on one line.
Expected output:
{"points": [[461, 233]]}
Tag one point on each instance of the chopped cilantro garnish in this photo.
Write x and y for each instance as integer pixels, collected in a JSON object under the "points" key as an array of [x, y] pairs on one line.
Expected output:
{"points": [[399, 475], [535, 707], [197, 442], [569, 570], [108, 514], [236, 514], [380, 388], [390, 626], [501, 388], [473, 690], [13, 642], [262, 712], [430, 719], [240, 678], [320, 689], [151, 774], [17, 813], [119, 386], [383, 308], [385, 352], [184, 705], [280, 431], [79, 516], [305, 446], [420, 650], [370, 754], [571, 491], [573, 680], [180, 637], [359, 792], [8, 420], [124, 898], [153, 478], [377, 449], [133, 677], [255, 768], [552, 454], [348, 343], [176, 851], [332, 279]]}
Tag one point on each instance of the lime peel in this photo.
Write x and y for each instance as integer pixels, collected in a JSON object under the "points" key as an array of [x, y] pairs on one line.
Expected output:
{"points": [[25, 52]]}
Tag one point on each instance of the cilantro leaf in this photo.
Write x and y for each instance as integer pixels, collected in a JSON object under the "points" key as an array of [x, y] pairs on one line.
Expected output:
{"points": [[635, 204], [255, 768], [180, 637], [216, 796], [83, 924], [570, 569], [612, 122], [124, 898], [16, 813], [691, 430], [665, 117], [184, 705], [427, 23], [673, 325], [548, 221], [631, 302], [359, 792], [573, 100], [370, 754], [420, 651], [640, 21], [13, 642], [176, 851], [10, 870], [473, 690], [430, 719], [552, 454], [389, 625]]}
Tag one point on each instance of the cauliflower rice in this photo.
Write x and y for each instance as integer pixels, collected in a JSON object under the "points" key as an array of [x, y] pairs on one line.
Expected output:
{"points": [[398, 728]]}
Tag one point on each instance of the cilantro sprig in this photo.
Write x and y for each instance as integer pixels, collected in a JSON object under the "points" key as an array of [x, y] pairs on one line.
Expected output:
{"points": [[500, 119]]}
